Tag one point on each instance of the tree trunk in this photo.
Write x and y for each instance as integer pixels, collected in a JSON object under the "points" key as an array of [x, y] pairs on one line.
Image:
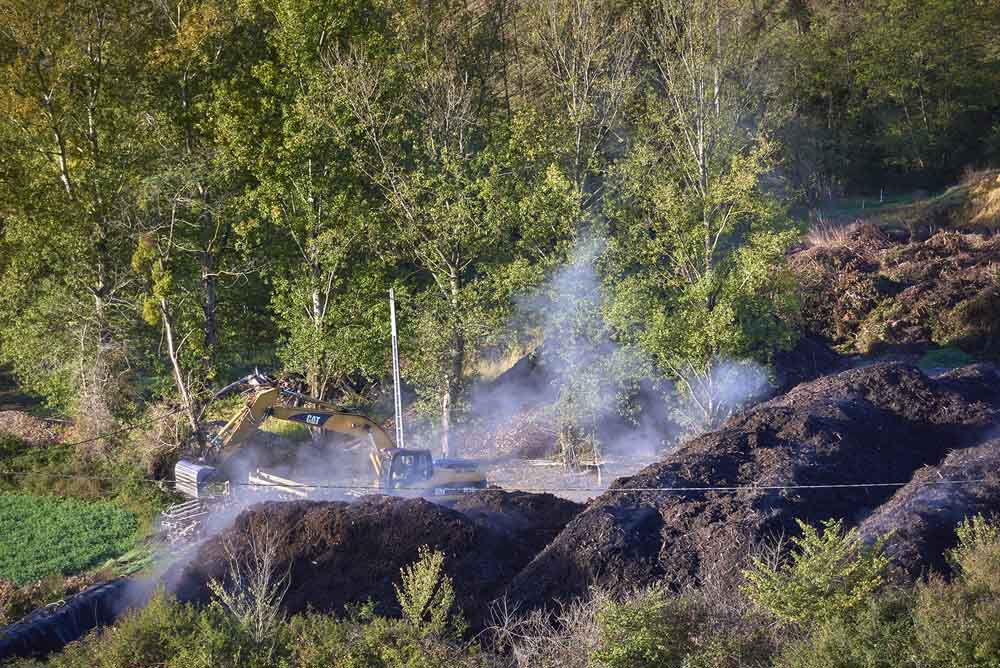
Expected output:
{"points": [[453, 382], [210, 308], [314, 374], [190, 409]]}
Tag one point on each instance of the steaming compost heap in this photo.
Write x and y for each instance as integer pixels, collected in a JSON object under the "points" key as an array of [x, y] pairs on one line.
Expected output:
{"points": [[922, 518], [873, 424], [338, 553]]}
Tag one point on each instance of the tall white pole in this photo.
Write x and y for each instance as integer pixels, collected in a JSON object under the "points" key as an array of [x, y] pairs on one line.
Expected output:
{"points": [[397, 394]]}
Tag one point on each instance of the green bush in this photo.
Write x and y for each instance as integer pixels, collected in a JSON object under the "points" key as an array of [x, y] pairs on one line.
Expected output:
{"points": [[958, 622], [829, 575], [649, 630], [41, 536], [879, 635], [427, 596]]}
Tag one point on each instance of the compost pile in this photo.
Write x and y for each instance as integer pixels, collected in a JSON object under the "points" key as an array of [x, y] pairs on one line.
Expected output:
{"points": [[339, 553], [870, 292], [532, 520], [873, 424], [919, 521]]}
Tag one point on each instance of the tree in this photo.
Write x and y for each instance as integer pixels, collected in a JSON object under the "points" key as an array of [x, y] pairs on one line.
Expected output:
{"points": [[476, 208], [185, 204], [699, 241], [70, 98], [313, 218], [885, 96], [586, 51]]}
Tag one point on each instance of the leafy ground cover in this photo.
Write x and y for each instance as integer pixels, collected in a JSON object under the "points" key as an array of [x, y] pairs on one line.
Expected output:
{"points": [[42, 536]]}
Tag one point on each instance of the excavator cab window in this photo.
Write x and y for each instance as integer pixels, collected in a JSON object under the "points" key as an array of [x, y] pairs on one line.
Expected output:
{"points": [[410, 468]]}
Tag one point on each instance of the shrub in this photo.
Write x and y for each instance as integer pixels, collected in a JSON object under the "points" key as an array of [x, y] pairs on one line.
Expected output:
{"points": [[149, 637], [648, 630], [256, 582], [427, 596], [565, 637], [958, 623], [978, 542], [879, 635], [829, 575]]}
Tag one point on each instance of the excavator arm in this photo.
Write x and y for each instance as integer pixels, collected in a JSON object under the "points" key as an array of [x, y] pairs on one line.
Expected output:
{"points": [[396, 470], [267, 402]]}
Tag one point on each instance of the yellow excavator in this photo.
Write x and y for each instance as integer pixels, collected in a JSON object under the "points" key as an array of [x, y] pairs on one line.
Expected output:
{"points": [[396, 471]]}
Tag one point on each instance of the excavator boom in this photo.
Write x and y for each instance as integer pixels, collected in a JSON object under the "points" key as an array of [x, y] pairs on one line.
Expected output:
{"points": [[410, 470]]}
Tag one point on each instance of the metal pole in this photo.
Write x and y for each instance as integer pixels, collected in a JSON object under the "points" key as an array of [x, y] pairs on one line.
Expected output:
{"points": [[397, 394]]}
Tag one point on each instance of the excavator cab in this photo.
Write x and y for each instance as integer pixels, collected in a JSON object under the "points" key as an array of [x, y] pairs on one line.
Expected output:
{"points": [[409, 469]]}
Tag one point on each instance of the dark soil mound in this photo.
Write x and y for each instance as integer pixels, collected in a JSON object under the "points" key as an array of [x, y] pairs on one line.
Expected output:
{"points": [[340, 553], [532, 520], [874, 424], [870, 292], [809, 359], [922, 516]]}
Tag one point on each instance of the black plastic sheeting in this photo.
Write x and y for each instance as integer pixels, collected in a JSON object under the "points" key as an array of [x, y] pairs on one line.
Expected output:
{"points": [[51, 628]]}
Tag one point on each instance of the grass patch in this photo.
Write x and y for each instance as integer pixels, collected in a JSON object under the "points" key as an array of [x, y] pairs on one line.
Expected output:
{"points": [[945, 358], [44, 536], [55, 470]]}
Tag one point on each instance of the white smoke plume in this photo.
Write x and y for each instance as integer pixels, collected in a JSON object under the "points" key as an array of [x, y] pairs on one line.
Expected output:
{"points": [[639, 414]]}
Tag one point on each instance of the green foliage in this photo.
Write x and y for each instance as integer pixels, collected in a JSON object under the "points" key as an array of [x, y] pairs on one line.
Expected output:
{"points": [[173, 635], [699, 275], [166, 633], [945, 358], [958, 623], [933, 624], [42, 536], [879, 635], [829, 575], [427, 596], [649, 630], [896, 90]]}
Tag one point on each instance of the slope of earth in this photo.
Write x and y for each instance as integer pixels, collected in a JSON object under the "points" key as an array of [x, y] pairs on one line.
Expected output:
{"points": [[866, 291], [339, 553], [919, 520], [872, 425], [973, 205], [532, 520]]}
